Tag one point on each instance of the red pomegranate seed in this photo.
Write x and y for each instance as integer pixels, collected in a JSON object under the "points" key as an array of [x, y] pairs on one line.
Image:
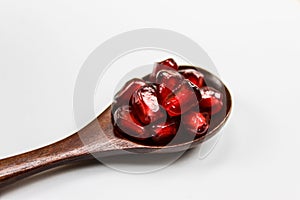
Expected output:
{"points": [[168, 64], [126, 123], [182, 99], [124, 95], [164, 132], [195, 122], [146, 106], [163, 93], [211, 100], [170, 79], [167, 81], [194, 76]]}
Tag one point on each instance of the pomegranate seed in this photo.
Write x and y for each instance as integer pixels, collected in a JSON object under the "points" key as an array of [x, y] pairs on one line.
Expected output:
{"points": [[168, 64], [194, 76], [124, 95], [182, 99], [163, 93], [126, 123], [211, 100], [195, 122], [145, 105], [164, 132], [168, 81]]}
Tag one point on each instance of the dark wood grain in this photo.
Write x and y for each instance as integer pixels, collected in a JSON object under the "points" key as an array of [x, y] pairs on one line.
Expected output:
{"points": [[97, 139]]}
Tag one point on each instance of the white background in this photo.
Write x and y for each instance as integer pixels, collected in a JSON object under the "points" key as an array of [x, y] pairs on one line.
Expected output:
{"points": [[255, 46]]}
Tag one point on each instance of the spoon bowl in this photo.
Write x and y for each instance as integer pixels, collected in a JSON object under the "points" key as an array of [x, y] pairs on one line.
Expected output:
{"points": [[98, 139]]}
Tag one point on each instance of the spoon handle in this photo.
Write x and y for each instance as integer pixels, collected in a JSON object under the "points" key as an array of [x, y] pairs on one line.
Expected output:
{"points": [[23, 165], [96, 138]]}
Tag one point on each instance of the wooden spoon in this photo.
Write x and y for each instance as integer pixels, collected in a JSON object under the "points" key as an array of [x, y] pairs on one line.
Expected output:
{"points": [[90, 142]]}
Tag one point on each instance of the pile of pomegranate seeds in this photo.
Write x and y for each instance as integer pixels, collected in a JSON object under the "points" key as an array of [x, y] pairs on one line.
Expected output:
{"points": [[152, 110]]}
